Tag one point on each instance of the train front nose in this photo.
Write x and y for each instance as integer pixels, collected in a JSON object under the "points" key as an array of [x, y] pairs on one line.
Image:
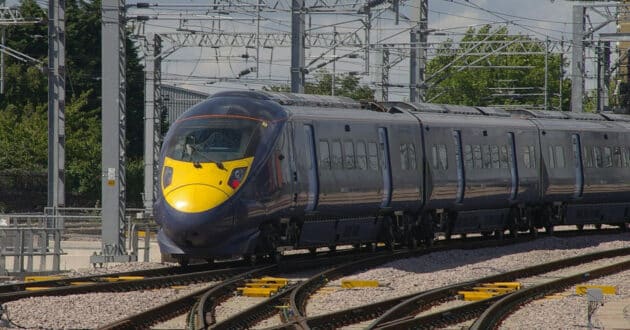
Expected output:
{"points": [[195, 198]]}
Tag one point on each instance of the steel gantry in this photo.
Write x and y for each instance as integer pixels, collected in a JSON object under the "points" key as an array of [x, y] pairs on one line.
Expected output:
{"points": [[113, 179]]}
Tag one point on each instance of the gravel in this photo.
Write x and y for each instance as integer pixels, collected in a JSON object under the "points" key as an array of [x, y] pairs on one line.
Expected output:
{"points": [[398, 278]]}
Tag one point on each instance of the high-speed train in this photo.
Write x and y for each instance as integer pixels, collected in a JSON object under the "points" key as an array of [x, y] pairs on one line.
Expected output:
{"points": [[246, 174]]}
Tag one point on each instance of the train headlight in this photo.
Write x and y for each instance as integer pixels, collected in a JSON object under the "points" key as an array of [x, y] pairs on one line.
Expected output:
{"points": [[167, 176], [237, 176]]}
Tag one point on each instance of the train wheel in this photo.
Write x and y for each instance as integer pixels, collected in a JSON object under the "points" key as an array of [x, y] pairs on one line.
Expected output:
{"points": [[250, 259], [598, 226], [276, 256], [312, 251], [580, 227], [209, 260], [624, 226], [332, 248], [499, 234], [549, 229], [412, 243], [182, 260], [372, 247], [533, 231], [513, 223]]}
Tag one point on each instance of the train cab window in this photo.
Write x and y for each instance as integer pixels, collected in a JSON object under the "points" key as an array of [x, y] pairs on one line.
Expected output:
{"points": [[503, 160], [348, 155], [494, 151], [324, 155], [588, 157], [335, 158], [560, 163], [372, 156], [404, 157], [468, 157], [485, 156], [608, 157], [361, 156], [597, 156], [443, 157], [477, 156], [617, 157], [626, 157]]}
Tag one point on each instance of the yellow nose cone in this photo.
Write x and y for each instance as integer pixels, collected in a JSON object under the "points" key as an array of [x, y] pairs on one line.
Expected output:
{"points": [[195, 198]]}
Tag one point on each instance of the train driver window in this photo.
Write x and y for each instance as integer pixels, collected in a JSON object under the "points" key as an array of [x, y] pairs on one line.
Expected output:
{"points": [[361, 156], [335, 160], [372, 156], [348, 154], [560, 163], [324, 155]]}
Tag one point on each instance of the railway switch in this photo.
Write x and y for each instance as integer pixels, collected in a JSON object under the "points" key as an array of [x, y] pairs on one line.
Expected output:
{"points": [[349, 284], [263, 287], [489, 290]]}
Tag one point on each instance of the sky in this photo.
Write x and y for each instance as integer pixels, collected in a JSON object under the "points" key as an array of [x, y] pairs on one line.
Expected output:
{"points": [[206, 68]]}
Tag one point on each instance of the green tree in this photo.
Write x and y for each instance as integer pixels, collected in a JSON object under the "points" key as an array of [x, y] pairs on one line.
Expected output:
{"points": [[345, 85], [476, 79]]}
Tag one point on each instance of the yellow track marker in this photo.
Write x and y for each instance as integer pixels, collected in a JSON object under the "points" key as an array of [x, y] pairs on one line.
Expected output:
{"points": [[37, 288], [42, 278], [257, 292], [606, 289], [81, 283], [348, 284], [123, 278]]}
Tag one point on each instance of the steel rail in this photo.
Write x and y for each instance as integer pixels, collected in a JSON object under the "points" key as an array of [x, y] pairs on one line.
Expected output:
{"points": [[498, 311], [147, 283], [177, 307], [423, 301]]}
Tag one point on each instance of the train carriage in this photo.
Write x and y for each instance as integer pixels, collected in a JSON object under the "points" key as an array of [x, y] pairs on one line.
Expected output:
{"points": [[246, 174]]}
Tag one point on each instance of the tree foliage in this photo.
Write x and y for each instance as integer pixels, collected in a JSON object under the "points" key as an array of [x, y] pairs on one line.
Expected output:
{"points": [[476, 79], [345, 85], [23, 106]]}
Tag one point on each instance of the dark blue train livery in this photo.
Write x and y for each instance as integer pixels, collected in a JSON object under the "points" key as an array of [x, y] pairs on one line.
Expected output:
{"points": [[246, 174]]}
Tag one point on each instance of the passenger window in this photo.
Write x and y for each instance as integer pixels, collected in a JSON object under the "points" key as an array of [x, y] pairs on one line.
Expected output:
{"points": [[551, 161], [443, 157], [361, 156], [504, 157], [477, 156], [626, 157], [588, 157], [617, 157], [372, 156], [526, 157], [607, 157], [348, 154], [411, 149], [495, 156], [485, 156], [434, 157], [404, 156], [336, 155], [324, 155], [532, 157], [597, 155], [468, 157], [560, 163]]}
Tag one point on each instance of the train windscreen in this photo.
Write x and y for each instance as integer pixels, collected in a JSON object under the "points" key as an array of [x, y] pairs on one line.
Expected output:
{"points": [[213, 139]]}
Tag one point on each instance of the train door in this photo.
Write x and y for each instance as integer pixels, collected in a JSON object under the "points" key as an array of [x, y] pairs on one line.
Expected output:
{"points": [[513, 165], [385, 167], [311, 166], [577, 165], [459, 160]]}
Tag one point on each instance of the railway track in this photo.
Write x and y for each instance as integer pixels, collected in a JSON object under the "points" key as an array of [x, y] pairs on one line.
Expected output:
{"points": [[393, 313]]}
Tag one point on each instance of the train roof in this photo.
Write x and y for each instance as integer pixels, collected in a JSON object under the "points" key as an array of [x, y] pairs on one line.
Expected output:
{"points": [[294, 99]]}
